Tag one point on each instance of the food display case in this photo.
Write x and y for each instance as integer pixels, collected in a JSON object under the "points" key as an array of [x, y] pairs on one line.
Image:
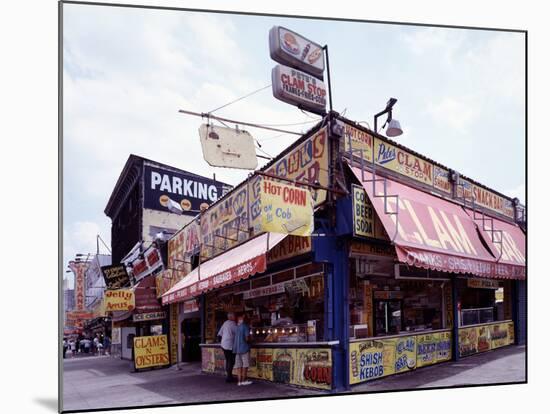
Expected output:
{"points": [[302, 332]]}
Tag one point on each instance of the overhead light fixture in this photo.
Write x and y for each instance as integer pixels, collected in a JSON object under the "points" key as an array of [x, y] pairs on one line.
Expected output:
{"points": [[394, 127]]}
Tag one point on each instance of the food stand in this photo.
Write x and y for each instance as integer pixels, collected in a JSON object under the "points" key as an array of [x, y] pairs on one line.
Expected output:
{"points": [[401, 271]]}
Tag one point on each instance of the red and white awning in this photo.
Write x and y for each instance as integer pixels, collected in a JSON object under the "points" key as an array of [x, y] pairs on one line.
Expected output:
{"points": [[431, 232], [236, 264]]}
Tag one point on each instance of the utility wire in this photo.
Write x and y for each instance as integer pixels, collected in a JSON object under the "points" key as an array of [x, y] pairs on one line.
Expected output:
{"points": [[241, 98]]}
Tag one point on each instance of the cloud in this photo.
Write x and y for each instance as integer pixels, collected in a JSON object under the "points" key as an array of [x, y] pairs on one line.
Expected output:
{"points": [[445, 43], [455, 113]]}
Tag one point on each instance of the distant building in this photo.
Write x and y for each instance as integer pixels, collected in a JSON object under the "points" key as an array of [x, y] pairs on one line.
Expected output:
{"points": [[150, 197]]}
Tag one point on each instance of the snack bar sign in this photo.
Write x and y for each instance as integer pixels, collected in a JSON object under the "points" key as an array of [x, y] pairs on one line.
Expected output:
{"points": [[291, 49], [299, 89]]}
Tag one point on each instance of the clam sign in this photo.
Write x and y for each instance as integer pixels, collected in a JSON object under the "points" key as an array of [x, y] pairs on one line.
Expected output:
{"points": [[299, 89]]}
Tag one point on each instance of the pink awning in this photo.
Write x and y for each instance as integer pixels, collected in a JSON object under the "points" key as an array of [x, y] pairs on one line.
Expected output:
{"points": [[507, 243], [432, 233], [236, 264]]}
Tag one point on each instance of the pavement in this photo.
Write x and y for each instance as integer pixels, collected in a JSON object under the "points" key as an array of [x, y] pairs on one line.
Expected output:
{"points": [[103, 382], [500, 366], [98, 382]]}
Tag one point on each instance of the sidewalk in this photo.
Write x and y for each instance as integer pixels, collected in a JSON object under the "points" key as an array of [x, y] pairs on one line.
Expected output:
{"points": [[105, 382], [499, 366]]}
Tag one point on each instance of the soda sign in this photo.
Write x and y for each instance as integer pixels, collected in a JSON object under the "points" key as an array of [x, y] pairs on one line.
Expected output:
{"points": [[299, 89]]}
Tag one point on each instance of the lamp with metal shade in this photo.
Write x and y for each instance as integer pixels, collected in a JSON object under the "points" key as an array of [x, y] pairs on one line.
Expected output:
{"points": [[394, 128]]}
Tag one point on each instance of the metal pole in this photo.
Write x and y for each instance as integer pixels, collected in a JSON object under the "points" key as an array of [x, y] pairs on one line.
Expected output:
{"points": [[205, 115], [325, 48]]}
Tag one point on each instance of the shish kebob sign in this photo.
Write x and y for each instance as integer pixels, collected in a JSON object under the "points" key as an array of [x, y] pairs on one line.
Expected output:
{"points": [[286, 209], [120, 300], [299, 89]]}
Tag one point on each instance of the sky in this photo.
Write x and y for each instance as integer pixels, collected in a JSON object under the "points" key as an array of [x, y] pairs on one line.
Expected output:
{"points": [[126, 72]]}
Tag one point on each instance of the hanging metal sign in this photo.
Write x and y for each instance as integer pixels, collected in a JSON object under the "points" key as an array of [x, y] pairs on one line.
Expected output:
{"points": [[289, 48], [299, 89]]}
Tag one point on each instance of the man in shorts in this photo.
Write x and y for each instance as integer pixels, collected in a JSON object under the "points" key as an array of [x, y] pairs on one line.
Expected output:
{"points": [[241, 349]]}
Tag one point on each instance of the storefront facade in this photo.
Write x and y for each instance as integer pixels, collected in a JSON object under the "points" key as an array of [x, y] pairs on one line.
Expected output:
{"points": [[409, 265]]}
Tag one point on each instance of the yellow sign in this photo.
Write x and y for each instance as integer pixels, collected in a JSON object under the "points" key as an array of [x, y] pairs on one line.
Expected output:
{"points": [[308, 162], [376, 358], [151, 351], [119, 300], [441, 179], [173, 333], [363, 213], [402, 162], [286, 208], [99, 309], [361, 142], [480, 338], [371, 359], [432, 348]]}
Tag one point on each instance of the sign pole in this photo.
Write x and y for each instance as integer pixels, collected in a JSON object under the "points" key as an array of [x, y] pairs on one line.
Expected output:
{"points": [[325, 48]]}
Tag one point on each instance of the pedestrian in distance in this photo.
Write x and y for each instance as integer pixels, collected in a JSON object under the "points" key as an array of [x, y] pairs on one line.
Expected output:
{"points": [[65, 347], [226, 336], [72, 344], [107, 345], [241, 348]]}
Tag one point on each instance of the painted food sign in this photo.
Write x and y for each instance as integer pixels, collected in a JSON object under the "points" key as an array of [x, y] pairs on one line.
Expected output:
{"points": [[481, 338], [306, 367], [360, 142], [286, 209], [433, 348], [119, 300], [313, 368], [299, 89], [402, 162], [290, 48], [371, 359], [307, 163], [151, 351]]}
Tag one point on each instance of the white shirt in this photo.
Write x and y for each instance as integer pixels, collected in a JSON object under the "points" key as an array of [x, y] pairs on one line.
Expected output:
{"points": [[227, 332]]}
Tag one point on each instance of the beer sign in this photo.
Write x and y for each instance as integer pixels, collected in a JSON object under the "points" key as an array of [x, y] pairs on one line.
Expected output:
{"points": [[292, 49], [299, 89]]}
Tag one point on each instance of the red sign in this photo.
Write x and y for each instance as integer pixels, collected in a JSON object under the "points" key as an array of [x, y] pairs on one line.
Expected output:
{"points": [[233, 274], [79, 271]]}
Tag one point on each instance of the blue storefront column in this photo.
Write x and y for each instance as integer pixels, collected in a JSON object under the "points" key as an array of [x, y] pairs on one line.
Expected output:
{"points": [[454, 286], [332, 251]]}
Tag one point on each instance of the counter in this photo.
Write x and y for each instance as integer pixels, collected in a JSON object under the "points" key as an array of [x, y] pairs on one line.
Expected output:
{"points": [[483, 337], [305, 364], [377, 357]]}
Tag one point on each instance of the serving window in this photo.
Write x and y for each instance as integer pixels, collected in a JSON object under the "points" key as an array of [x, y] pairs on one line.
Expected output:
{"points": [[483, 301], [383, 305], [286, 306]]}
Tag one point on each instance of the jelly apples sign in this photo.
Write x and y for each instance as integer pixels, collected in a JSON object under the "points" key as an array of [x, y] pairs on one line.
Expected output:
{"points": [[299, 89]]}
